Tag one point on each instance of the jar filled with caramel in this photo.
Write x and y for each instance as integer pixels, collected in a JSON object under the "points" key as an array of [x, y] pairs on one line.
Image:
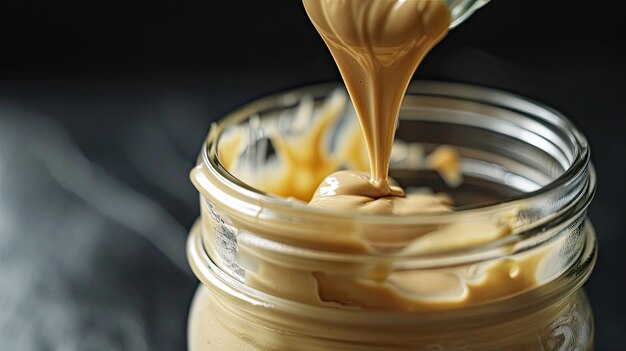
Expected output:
{"points": [[494, 259]]}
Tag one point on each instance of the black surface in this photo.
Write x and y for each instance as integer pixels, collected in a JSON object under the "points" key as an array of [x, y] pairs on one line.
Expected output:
{"points": [[103, 108]]}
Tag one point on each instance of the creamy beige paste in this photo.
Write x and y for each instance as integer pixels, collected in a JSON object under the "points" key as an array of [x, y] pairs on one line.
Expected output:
{"points": [[377, 46]]}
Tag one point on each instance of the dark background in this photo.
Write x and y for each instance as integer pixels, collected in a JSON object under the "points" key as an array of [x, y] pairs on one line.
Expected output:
{"points": [[104, 105]]}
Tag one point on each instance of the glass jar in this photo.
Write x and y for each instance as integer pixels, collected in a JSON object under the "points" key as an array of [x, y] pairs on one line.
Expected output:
{"points": [[520, 160]]}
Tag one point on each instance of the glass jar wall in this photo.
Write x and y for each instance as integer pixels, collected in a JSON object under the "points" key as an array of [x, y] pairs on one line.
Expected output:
{"points": [[278, 275]]}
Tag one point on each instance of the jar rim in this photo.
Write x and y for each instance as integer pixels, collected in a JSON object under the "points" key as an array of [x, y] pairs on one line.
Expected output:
{"points": [[578, 168]]}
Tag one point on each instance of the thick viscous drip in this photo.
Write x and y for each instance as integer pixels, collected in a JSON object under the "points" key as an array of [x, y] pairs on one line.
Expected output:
{"points": [[377, 46]]}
